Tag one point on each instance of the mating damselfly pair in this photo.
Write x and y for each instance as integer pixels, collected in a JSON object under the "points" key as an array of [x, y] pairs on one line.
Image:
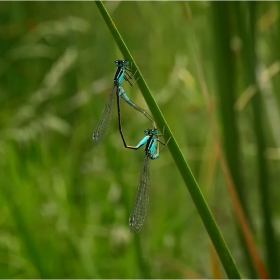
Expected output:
{"points": [[151, 140]]}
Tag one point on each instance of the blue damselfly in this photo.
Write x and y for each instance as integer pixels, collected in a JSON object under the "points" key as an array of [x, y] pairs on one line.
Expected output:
{"points": [[140, 207], [122, 73]]}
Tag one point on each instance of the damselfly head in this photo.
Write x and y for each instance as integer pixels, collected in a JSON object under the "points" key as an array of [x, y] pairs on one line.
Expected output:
{"points": [[154, 131], [121, 62], [151, 131]]}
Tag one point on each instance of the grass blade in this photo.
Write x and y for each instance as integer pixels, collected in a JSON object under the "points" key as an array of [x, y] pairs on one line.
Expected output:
{"points": [[247, 33], [226, 89]]}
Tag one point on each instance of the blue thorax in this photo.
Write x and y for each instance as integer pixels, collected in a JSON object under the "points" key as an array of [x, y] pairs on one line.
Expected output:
{"points": [[151, 143], [119, 75]]}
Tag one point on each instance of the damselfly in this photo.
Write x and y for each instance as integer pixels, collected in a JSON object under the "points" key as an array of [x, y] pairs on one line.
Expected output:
{"points": [[121, 74], [140, 207]]}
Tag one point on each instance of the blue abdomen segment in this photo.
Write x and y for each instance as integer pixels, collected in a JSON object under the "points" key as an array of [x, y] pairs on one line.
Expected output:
{"points": [[126, 98], [122, 93]]}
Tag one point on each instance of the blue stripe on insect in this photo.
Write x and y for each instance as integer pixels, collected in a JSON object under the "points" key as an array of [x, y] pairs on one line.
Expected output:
{"points": [[124, 96], [140, 207], [121, 72]]}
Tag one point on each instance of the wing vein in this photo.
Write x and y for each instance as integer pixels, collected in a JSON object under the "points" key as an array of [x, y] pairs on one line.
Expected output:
{"points": [[102, 127], [141, 201]]}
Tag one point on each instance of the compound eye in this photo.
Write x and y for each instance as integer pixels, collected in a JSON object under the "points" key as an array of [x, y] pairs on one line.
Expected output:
{"points": [[117, 62], [125, 62], [146, 131]]}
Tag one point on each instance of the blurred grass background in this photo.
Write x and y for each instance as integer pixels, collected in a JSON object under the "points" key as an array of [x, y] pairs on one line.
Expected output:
{"points": [[65, 205]]}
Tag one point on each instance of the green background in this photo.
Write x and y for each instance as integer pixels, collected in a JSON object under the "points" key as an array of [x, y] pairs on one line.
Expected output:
{"points": [[64, 204]]}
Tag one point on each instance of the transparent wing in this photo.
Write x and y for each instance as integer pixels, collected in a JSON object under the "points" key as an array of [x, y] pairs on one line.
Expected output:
{"points": [[140, 207], [103, 125]]}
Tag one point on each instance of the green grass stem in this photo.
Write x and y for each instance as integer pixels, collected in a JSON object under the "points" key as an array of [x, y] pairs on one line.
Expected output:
{"points": [[226, 90], [24, 233], [247, 34]]}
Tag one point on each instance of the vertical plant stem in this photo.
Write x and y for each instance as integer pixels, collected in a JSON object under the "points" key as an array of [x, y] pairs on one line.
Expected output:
{"points": [[225, 77], [247, 33], [238, 210]]}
